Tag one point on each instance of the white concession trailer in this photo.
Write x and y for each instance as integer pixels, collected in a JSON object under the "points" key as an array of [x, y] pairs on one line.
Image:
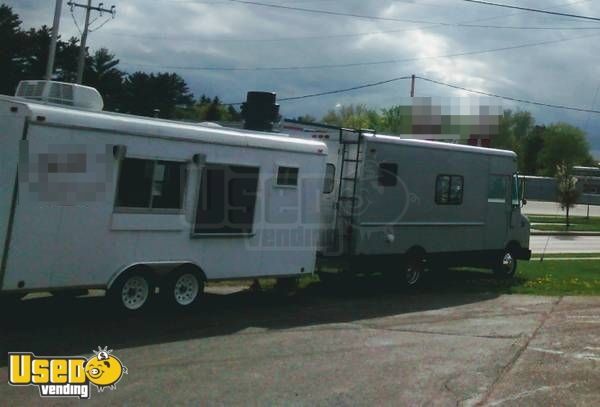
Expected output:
{"points": [[91, 199]]}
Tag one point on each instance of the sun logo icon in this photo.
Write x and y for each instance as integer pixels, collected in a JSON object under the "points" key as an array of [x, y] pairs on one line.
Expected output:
{"points": [[104, 369]]}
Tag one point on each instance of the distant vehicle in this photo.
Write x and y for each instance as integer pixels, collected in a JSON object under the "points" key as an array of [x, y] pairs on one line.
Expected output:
{"points": [[400, 206], [91, 199]]}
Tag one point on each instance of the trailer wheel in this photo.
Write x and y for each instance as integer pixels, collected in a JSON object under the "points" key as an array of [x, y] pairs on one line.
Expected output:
{"points": [[132, 291], [507, 265], [184, 288]]}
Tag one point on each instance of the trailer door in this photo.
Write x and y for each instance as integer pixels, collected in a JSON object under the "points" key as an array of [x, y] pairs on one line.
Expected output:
{"points": [[12, 122], [498, 211]]}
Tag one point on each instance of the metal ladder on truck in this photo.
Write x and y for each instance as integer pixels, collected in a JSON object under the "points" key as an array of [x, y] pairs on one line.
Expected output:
{"points": [[351, 157]]}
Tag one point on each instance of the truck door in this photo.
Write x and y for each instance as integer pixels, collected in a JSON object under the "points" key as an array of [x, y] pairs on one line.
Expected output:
{"points": [[498, 211]]}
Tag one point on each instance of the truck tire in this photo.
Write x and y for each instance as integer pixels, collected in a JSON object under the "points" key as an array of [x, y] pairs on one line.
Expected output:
{"points": [[183, 288], [413, 271], [507, 265], [132, 291]]}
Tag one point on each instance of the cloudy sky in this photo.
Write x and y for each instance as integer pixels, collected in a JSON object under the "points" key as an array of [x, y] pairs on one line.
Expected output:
{"points": [[226, 48]]}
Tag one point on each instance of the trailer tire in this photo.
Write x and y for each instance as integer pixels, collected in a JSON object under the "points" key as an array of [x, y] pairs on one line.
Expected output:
{"points": [[507, 265], [183, 288], [132, 291]]}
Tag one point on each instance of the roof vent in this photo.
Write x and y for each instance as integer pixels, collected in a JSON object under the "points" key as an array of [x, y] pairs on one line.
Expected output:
{"points": [[260, 111], [61, 93]]}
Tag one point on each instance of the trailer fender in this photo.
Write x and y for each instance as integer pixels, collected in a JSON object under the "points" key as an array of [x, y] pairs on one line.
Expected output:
{"points": [[157, 269], [190, 266], [147, 268]]}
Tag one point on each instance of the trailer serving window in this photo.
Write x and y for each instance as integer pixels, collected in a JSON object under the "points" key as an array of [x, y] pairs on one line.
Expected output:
{"points": [[226, 200], [150, 185], [449, 189]]}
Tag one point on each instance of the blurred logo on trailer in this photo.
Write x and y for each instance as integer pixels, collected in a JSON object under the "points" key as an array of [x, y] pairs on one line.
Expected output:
{"points": [[66, 376]]}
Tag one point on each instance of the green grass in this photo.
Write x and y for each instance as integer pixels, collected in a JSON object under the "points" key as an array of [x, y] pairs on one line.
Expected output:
{"points": [[565, 277], [565, 255], [548, 277], [577, 277], [557, 223]]}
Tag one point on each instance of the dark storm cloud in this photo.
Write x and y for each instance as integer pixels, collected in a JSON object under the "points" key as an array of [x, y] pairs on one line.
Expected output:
{"points": [[153, 35]]}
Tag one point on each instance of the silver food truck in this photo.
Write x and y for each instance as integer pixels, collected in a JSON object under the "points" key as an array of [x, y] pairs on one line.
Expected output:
{"points": [[400, 206], [91, 199]]}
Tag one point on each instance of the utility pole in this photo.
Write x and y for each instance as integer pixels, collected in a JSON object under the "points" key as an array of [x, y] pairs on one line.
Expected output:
{"points": [[88, 8], [52, 51], [412, 86]]}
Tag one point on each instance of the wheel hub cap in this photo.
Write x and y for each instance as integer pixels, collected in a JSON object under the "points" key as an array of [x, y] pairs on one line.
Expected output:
{"points": [[135, 292], [186, 290]]}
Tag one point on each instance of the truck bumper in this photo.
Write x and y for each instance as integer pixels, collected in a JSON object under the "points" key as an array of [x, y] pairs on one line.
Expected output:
{"points": [[522, 253]]}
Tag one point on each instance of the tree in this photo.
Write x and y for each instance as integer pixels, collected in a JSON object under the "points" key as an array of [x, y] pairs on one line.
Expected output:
{"points": [[531, 146], [307, 119], [353, 116], [144, 94], [12, 50], [513, 128], [566, 188], [563, 143], [396, 120], [102, 74]]}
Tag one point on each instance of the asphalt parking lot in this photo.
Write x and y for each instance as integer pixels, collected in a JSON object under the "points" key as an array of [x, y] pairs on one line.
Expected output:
{"points": [[328, 348]]}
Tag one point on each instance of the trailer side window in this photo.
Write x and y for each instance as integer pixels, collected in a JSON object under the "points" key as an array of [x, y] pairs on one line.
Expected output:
{"points": [[329, 183], [226, 200], [449, 189], [149, 184], [287, 176], [388, 174]]}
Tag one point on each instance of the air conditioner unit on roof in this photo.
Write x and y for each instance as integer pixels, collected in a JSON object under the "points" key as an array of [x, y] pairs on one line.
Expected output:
{"points": [[61, 93]]}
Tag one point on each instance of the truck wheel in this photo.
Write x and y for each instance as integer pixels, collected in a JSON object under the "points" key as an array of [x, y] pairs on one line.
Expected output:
{"points": [[413, 271], [132, 291], [507, 265], [184, 288]]}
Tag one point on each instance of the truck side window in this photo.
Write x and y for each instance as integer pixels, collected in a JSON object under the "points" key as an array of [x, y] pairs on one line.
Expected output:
{"points": [[388, 174], [226, 200], [329, 183], [449, 189], [287, 176], [149, 184], [497, 188]]}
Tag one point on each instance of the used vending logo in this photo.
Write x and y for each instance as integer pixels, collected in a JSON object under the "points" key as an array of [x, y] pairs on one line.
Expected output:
{"points": [[63, 376]]}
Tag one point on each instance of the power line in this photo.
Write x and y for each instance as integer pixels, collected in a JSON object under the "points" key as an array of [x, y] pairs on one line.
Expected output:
{"points": [[357, 64], [479, 92], [187, 38], [403, 20], [534, 10], [334, 13], [332, 92], [513, 99]]}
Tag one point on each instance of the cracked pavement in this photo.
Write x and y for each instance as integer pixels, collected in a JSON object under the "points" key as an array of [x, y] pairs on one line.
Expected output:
{"points": [[320, 348]]}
